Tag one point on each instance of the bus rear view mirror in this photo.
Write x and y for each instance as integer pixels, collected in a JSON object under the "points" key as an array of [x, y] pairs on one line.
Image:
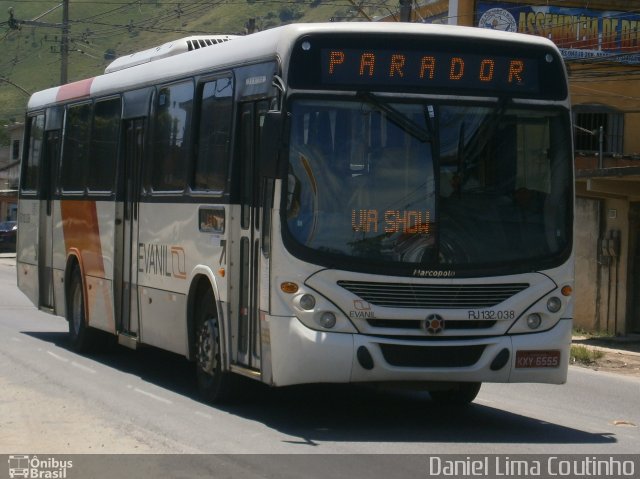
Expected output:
{"points": [[271, 143]]}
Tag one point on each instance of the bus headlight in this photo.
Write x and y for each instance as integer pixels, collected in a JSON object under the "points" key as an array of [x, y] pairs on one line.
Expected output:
{"points": [[327, 320], [307, 302], [554, 304], [534, 320], [311, 308]]}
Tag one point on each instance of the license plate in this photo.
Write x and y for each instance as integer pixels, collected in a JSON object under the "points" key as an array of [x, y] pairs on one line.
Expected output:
{"points": [[538, 359]]}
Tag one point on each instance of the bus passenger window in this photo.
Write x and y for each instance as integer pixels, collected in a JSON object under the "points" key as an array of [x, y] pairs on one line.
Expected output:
{"points": [[76, 147], [104, 146], [171, 137], [214, 135], [31, 166]]}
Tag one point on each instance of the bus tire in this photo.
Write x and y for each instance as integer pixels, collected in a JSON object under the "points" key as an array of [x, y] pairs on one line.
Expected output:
{"points": [[460, 394], [82, 338], [214, 384]]}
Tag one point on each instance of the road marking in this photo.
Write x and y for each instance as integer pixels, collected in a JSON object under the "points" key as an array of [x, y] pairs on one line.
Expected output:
{"points": [[84, 368], [17, 340], [202, 414], [59, 358], [623, 423], [153, 396]]}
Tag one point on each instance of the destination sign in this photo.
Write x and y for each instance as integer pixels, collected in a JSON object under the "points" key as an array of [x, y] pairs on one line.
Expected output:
{"points": [[429, 70], [427, 64], [391, 221]]}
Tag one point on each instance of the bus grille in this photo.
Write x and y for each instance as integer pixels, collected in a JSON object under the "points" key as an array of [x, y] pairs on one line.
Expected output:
{"points": [[432, 357], [449, 296], [418, 324]]}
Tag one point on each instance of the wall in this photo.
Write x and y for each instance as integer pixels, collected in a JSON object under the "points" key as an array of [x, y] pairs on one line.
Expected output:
{"points": [[614, 271], [587, 293]]}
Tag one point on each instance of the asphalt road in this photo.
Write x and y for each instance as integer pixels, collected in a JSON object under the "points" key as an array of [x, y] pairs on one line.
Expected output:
{"points": [[55, 401]]}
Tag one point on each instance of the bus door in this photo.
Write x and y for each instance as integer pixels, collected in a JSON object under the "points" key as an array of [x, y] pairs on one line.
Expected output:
{"points": [[50, 161], [247, 291], [126, 270]]}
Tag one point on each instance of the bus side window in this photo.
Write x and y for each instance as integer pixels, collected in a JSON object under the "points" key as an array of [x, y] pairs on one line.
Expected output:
{"points": [[31, 162], [171, 140], [76, 147], [104, 146], [214, 135]]}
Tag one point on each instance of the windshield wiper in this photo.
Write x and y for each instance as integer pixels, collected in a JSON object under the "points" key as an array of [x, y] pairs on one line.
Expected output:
{"points": [[397, 117]]}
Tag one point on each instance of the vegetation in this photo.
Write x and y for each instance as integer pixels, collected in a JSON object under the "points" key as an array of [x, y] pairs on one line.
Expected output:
{"points": [[101, 31], [584, 355]]}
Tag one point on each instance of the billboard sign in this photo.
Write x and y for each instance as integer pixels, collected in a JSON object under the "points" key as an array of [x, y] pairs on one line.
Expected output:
{"points": [[579, 33]]}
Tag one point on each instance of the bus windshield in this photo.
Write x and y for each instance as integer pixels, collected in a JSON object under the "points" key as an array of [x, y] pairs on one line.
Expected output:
{"points": [[423, 185]]}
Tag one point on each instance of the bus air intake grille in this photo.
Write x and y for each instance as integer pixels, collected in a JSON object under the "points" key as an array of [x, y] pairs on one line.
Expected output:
{"points": [[418, 324], [449, 296], [430, 356], [197, 43]]}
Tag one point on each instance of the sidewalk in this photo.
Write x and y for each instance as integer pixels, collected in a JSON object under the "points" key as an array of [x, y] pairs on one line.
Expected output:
{"points": [[629, 344], [620, 354]]}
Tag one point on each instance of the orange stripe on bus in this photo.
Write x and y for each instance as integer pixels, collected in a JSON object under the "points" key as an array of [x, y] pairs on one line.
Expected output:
{"points": [[79, 89], [81, 232]]}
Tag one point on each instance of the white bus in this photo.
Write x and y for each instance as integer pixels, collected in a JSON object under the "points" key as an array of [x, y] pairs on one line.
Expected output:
{"points": [[316, 203]]}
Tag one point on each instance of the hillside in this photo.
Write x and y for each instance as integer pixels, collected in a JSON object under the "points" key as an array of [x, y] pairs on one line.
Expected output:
{"points": [[101, 30]]}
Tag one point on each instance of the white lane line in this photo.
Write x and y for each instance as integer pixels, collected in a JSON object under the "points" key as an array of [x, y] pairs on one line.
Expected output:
{"points": [[153, 396], [59, 358], [83, 367]]}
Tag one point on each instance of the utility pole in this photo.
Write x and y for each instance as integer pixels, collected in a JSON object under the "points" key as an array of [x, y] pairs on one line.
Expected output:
{"points": [[16, 24], [405, 10], [64, 43], [250, 26]]}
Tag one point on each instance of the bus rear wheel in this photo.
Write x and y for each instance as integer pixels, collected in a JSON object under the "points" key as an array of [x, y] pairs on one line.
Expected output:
{"points": [[82, 338], [214, 384], [460, 394]]}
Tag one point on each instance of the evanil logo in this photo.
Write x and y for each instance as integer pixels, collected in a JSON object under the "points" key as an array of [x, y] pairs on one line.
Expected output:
{"points": [[33, 467]]}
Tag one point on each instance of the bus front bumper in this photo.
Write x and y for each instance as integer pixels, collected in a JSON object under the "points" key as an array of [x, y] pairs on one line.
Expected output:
{"points": [[301, 355]]}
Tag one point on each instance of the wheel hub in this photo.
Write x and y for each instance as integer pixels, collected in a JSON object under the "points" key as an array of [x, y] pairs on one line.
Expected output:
{"points": [[206, 350]]}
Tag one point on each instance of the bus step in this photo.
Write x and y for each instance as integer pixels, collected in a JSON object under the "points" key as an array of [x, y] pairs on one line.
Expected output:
{"points": [[128, 340], [245, 371]]}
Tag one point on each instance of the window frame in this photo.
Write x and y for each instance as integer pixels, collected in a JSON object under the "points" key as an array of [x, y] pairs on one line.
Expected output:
{"points": [[613, 143]]}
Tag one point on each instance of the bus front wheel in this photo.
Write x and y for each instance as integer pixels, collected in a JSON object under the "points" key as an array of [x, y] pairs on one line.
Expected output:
{"points": [[460, 394], [214, 384]]}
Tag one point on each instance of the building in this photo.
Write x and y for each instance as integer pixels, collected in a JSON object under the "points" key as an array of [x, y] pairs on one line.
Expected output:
{"points": [[600, 41], [10, 171]]}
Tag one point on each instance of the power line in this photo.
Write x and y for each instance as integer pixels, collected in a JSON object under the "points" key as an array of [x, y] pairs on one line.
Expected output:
{"points": [[6, 80]]}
